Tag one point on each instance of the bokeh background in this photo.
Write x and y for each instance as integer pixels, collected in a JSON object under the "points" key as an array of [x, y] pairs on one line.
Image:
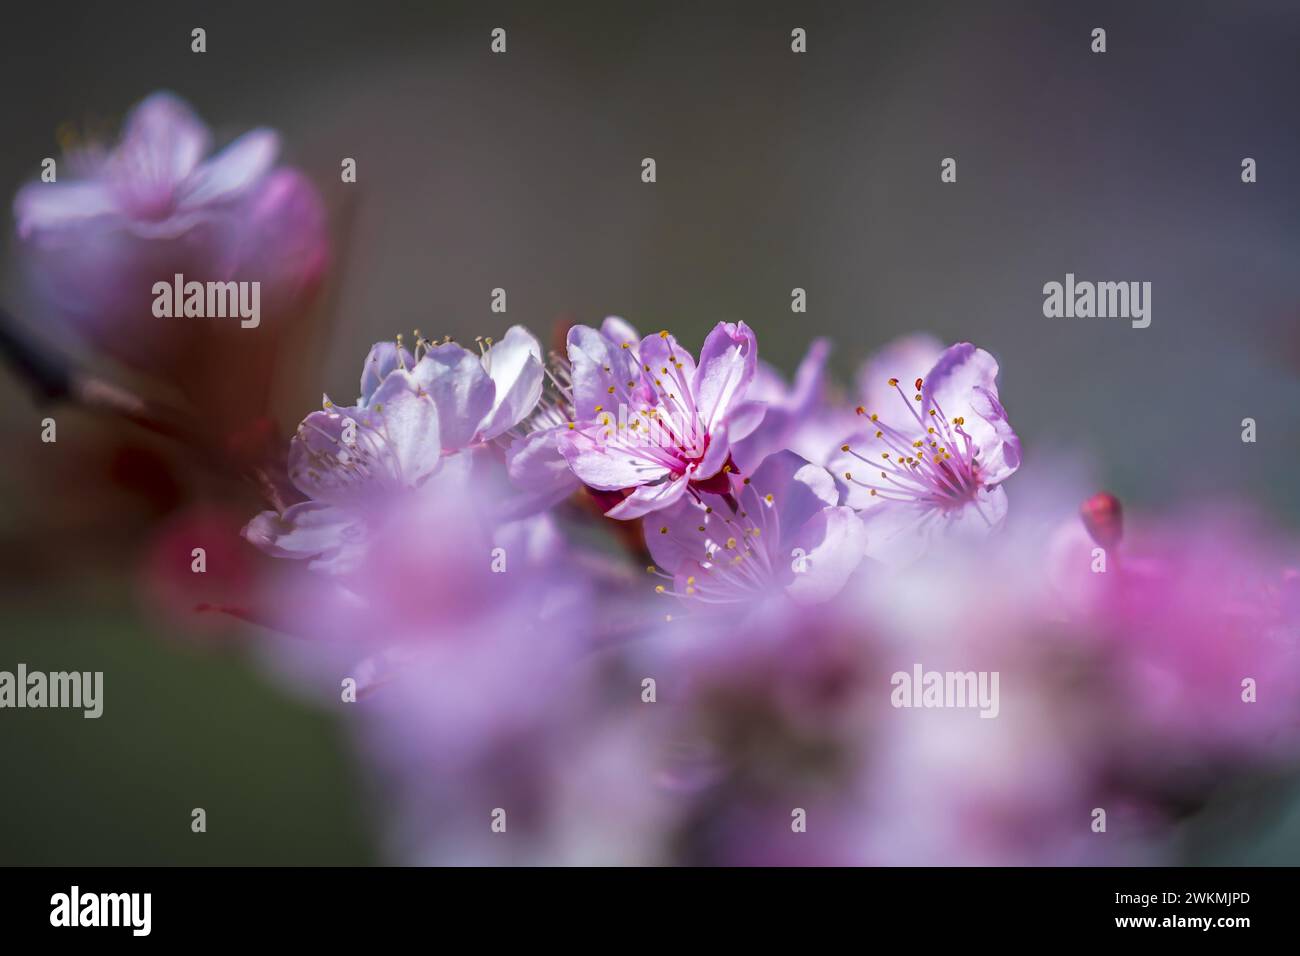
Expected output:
{"points": [[522, 171]]}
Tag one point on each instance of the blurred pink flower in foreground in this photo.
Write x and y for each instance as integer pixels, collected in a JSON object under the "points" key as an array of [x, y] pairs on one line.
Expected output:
{"points": [[156, 205], [1198, 616], [470, 644]]}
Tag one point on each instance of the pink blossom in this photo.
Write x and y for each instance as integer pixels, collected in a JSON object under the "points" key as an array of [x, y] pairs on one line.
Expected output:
{"points": [[934, 466], [118, 220], [779, 531], [1185, 611], [413, 414], [649, 422]]}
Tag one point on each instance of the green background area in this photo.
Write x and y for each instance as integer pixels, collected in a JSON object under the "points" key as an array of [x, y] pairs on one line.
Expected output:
{"points": [[181, 728]]}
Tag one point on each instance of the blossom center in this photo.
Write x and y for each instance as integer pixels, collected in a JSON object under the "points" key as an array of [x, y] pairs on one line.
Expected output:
{"points": [[931, 460], [731, 548]]}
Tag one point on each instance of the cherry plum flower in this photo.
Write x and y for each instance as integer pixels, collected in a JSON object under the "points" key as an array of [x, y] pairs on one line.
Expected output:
{"points": [[534, 459], [933, 464], [118, 220], [650, 423], [413, 414], [780, 531]]}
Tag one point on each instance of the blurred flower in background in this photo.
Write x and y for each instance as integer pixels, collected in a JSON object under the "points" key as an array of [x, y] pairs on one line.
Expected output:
{"points": [[160, 203]]}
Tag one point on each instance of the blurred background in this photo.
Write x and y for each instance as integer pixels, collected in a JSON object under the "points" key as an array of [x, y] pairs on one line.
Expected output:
{"points": [[522, 171]]}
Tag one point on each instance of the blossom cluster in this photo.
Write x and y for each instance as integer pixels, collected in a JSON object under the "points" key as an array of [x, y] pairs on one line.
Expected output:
{"points": [[644, 603], [474, 525]]}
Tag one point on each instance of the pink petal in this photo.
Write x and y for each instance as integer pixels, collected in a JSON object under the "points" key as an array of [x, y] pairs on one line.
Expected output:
{"points": [[599, 364], [535, 465], [799, 490], [727, 366], [619, 331], [232, 171], [163, 140], [410, 424], [462, 390], [308, 529], [834, 542], [648, 498], [603, 465], [515, 365], [46, 206], [384, 357]]}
